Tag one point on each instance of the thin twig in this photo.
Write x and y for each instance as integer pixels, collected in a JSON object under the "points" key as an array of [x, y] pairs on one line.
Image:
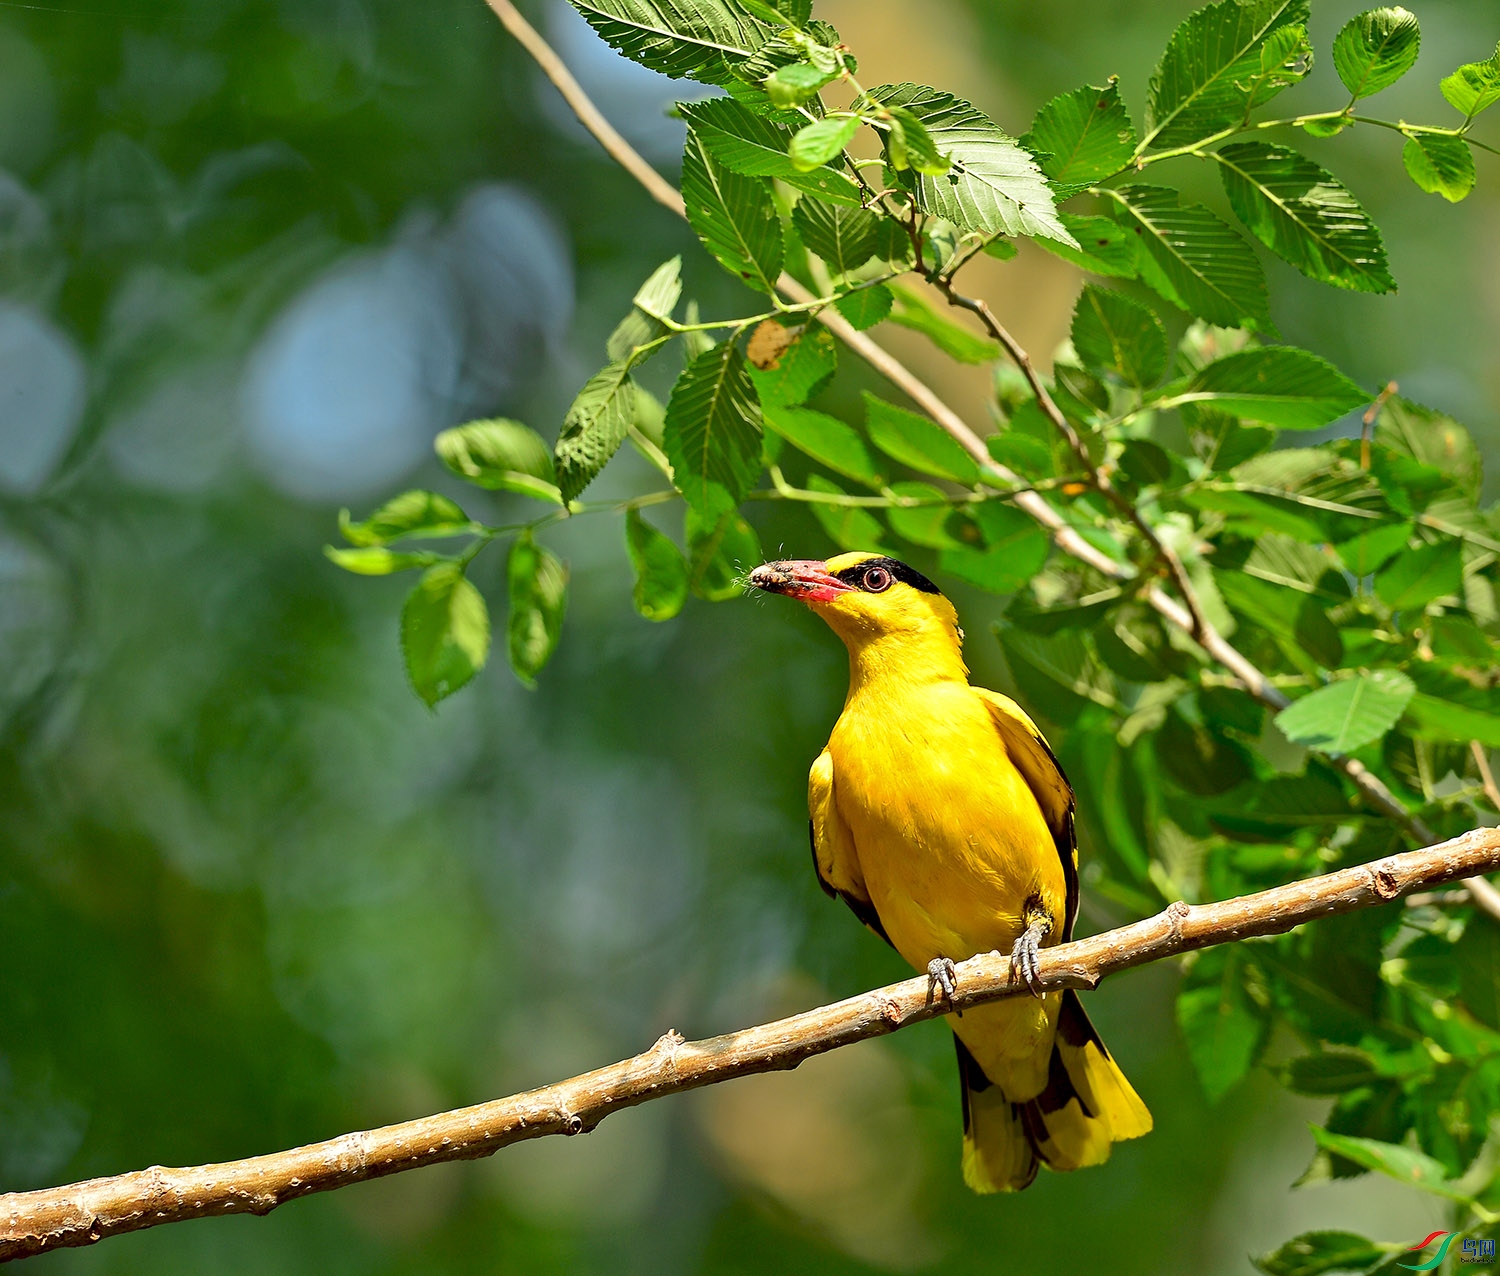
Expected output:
{"points": [[83, 1213], [1186, 616], [1486, 776]]}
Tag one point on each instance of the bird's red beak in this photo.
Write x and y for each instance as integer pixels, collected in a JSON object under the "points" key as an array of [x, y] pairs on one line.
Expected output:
{"points": [[802, 579]]}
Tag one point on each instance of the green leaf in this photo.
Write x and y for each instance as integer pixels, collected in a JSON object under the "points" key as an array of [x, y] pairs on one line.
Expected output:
{"points": [[1082, 137], [1314, 1253], [1348, 714], [1305, 215], [500, 455], [684, 39], [915, 311], [822, 140], [790, 86], [595, 426], [415, 513], [1417, 576], [1300, 627], [747, 143], [661, 576], [1477, 956], [654, 301], [734, 216], [1104, 246], [1192, 258], [994, 184], [1280, 385], [1204, 80], [925, 524], [1223, 1028], [802, 370], [1375, 49], [377, 560], [712, 434], [1285, 58], [721, 551], [1410, 430], [1119, 337], [916, 441], [1015, 550], [847, 526], [1407, 1165], [538, 585], [908, 144], [1023, 453], [1449, 708], [1474, 86], [826, 439], [865, 307], [1328, 1072], [1367, 553], [845, 238], [1439, 165], [445, 632]]}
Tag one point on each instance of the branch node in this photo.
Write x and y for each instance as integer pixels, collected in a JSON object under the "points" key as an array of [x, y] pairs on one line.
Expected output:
{"points": [[573, 1125], [891, 1011], [1386, 883]]}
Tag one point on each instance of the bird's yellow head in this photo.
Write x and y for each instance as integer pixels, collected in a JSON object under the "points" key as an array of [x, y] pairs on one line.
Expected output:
{"points": [[869, 600]]}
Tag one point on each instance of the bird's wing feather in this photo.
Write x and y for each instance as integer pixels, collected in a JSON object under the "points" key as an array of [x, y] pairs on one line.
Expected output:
{"points": [[1039, 767], [835, 860]]}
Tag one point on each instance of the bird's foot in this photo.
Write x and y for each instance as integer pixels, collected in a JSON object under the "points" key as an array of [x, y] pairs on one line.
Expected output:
{"points": [[941, 974], [1023, 957]]}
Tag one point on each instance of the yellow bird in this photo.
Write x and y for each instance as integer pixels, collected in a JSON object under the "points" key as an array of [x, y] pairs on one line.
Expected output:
{"points": [[942, 818]]}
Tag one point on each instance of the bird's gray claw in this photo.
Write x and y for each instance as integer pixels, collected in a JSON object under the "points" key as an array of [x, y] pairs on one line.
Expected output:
{"points": [[1023, 959], [940, 974]]}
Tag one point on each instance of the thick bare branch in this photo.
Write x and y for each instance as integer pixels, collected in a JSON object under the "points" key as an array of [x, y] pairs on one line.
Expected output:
{"points": [[83, 1213]]}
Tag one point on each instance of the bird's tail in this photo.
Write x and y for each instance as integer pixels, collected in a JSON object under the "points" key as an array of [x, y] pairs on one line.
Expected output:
{"points": [[1086, 1106]]}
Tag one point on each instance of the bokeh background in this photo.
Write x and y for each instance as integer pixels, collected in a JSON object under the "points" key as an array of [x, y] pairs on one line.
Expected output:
{"points": [[253, 255]]}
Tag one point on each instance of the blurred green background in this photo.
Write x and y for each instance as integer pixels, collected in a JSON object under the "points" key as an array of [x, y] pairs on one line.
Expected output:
{"points": [[253, 255]]}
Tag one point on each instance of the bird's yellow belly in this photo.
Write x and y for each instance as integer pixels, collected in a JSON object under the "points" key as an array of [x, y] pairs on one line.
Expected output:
{"points": [[951, 840]]}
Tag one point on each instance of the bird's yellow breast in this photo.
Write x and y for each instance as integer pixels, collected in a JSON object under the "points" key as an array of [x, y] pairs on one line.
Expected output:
{"points": [[950, 838]]}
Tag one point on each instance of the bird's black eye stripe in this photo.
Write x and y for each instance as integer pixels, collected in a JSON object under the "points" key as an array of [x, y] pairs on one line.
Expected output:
{"points": [[900, 571]]}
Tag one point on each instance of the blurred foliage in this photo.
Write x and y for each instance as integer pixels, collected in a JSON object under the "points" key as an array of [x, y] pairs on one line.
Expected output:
{"points": [[254, 257]]}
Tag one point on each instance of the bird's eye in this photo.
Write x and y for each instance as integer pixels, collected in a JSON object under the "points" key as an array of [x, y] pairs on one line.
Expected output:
{"points": [[876, 580]]}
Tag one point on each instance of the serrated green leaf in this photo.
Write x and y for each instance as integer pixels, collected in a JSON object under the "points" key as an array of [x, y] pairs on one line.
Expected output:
{"points": [[994, 185], [1285, 58], [1440, 165], [915, 311], [684, 39], [1406, 1165], [747, 143], [1449, 708], [538, 587], [826, 439], [1104, 246], [802, 370], [500, 455], [847, 526], [917, 441], [654, 301], [1223, 1028], [1328, 1072], [924, 524], [1314, 1253], [734, 216], [1117, 336], [594, 428], [1305, 215], [910, 145], [845, 238], [1015, 550], [1428, 437], [1416, 576], [792, 85], [712, 434], [1192, 258], [1367, 553], [822, 140], [1300, 626], [1084, 136], [1348, 714], [1475, 86], [1280, 385], [661, 575], [416, 513], [865, 307], [445, 632], [1204, 80], [722, 548], [377, 560], [1376, 48], [1027, 455]]}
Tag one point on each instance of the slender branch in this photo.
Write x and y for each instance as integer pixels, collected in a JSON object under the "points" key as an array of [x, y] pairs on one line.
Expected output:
{"points": [[83, 1213], [1186, 616]]}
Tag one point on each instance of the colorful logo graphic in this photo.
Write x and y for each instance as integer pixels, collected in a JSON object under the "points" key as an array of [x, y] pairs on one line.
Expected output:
{"points": [[1434, 1261]]}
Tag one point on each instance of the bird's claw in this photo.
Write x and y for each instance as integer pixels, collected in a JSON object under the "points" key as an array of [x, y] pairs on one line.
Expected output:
{"points": [[1023, 958], [941, 974]]}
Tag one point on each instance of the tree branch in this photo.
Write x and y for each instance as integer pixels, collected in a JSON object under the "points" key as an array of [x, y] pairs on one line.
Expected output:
{"points": [[83, 1213], [1186, 615]]}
